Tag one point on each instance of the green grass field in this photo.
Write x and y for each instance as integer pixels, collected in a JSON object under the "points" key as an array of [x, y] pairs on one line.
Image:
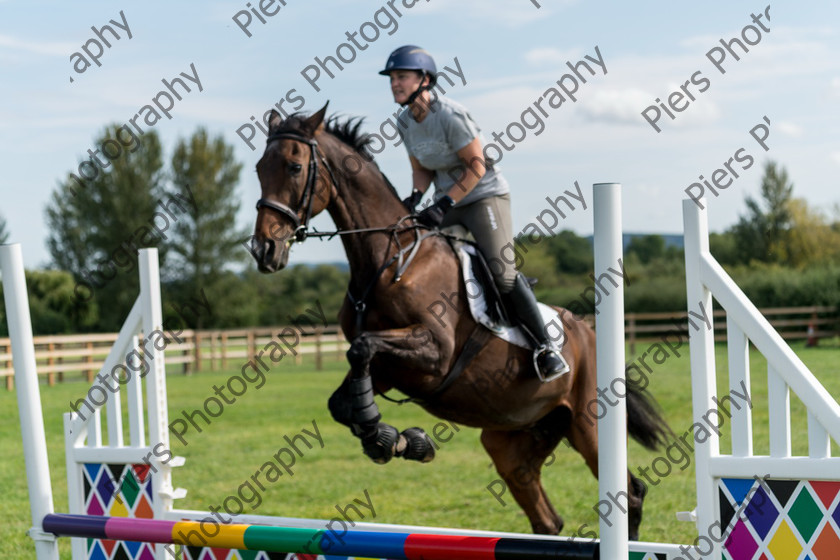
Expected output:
{"points": [[451, 491]]}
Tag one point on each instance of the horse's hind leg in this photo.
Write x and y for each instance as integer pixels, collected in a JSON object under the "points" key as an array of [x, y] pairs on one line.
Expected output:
{"points": [[583, 436], [519, 457]]}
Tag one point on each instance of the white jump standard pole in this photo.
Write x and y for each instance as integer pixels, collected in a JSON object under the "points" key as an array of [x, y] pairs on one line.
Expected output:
{"points": [[29, 399], [609, 353]]}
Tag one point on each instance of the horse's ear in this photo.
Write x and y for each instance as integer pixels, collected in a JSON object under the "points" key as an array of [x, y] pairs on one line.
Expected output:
{"points": [[274, 119], [315, 123]]}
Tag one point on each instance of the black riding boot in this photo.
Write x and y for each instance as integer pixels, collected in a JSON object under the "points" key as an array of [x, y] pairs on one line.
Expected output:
{"points": [[522, 305]]}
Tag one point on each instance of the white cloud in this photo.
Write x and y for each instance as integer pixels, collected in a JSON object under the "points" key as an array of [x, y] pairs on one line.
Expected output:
{"points": [[616, 105], [835, 157], [511, 13], [790, 129], [543, 56], [793, 51], [631, 85], [501, 104], [835, 86], [37, 47]]}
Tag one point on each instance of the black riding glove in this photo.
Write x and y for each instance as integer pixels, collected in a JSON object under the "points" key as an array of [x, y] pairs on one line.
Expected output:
{"points": [[413, 200], [432, 216]]}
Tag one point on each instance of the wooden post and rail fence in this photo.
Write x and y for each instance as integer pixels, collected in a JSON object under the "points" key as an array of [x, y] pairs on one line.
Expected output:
{"points": [[61, 357]]}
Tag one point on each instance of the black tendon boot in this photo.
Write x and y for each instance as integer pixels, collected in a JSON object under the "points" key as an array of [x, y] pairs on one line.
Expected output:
{"points": [[522, 305]]}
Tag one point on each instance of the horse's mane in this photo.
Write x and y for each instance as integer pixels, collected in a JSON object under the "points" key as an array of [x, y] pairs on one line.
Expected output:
{"points": [[350, 132], [347, 130]]}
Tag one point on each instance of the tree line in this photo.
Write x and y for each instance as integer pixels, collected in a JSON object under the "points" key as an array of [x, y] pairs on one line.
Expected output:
{"points": [[185, 205], [782, 251]]}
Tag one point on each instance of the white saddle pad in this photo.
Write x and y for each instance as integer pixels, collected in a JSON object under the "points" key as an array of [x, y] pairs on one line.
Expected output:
{"points": [[478, 309]]}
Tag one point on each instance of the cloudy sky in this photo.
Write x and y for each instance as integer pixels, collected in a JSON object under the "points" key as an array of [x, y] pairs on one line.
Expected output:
{"points": [[511, 52]]}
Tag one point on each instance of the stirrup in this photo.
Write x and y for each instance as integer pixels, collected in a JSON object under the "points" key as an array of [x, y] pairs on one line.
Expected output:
{"points": [[542, 377]]}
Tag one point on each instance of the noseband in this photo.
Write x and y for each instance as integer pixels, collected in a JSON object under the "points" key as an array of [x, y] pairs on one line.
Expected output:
{"points": [[301, 227]]}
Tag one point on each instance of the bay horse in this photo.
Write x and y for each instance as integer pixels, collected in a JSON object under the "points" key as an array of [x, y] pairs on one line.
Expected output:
{"points": [[309, 166]]}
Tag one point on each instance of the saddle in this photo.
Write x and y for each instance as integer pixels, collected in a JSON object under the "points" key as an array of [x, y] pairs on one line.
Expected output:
{"points": [[486, 306], [485, 302]]}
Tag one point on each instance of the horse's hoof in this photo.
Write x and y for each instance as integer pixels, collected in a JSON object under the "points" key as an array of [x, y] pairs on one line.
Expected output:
{"points": [[382, 446], [418, 445], [554, 527]]}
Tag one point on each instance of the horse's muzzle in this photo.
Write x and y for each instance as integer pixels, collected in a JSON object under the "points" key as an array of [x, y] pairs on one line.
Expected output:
{"points": [[271, 255]]}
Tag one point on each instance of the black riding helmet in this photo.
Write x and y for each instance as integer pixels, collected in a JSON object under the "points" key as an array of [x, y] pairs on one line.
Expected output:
{"points": [[412, 57]]}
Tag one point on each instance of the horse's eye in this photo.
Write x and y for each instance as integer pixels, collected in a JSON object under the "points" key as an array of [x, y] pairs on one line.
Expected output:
{"points": [[294, 168]]}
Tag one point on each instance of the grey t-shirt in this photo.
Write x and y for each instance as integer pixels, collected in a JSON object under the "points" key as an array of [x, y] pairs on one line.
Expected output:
{"points": [[447, 128]]}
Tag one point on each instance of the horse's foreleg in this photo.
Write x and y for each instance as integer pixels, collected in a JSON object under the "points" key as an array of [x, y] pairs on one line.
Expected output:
{"points": [[353, 404], [519, 457]]}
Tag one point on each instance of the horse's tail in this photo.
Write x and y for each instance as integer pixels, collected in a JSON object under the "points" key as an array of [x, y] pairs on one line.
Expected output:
{"points": [[645, 423]]}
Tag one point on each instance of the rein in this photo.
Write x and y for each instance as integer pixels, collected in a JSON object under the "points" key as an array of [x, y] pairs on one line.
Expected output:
{"points": [[302, 225], [477, 338], [302, 232]]}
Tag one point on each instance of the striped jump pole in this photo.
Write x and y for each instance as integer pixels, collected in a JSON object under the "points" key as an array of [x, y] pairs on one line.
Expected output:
{"points": [[370, 544]]}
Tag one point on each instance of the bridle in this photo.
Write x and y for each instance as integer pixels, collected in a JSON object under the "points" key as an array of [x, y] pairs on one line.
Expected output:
{"points": [[301, 226]]}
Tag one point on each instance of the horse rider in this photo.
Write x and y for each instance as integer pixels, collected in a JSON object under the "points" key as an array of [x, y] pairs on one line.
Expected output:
{"points": [[441, 137]]}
